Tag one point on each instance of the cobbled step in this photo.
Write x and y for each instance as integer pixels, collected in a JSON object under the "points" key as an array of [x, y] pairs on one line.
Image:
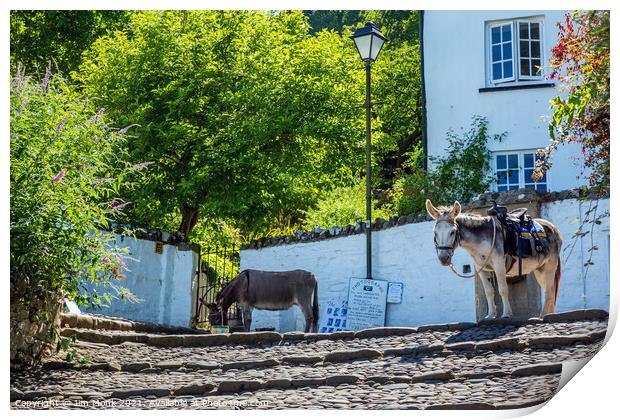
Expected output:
{"points": [[444, 367]]}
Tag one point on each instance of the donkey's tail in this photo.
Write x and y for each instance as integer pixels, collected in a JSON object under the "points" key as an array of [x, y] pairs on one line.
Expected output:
{"points": [[556, 281], [315, 307]]}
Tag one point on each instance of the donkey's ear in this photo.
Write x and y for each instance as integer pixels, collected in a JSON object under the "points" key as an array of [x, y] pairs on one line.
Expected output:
{"points": [[432, 210], [456, 210]]}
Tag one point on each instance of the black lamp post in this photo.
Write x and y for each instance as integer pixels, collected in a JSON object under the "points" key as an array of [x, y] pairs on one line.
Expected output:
{"points": [[368, 41]]}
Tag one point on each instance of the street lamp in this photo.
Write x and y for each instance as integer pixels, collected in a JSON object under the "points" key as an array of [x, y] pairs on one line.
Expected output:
{"points": [[368, 41]]}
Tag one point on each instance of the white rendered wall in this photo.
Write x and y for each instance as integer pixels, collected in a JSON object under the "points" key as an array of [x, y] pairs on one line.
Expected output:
{"points": [[455, 68], [162, 281], [581, 287], [432, 293]]}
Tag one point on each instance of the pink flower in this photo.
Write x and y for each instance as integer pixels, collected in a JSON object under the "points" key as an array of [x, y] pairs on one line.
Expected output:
{"points": [[141, 165], [122, 263], [59, 176], [118, 206]]}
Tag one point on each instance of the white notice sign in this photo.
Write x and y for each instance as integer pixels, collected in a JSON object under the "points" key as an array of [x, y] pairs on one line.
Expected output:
{"points": [[395, 292], [367, 300]]}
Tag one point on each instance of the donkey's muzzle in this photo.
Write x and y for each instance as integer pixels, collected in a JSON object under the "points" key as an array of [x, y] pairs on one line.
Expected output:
{"points": [[444, 257]]}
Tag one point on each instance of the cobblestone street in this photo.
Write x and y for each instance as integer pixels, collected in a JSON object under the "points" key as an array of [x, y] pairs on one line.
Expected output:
{"points": [[497, 364]]}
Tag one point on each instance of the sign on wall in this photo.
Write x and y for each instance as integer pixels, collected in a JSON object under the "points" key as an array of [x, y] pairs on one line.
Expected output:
{"points": [[395, 292], [367, 301], [334, 317]]}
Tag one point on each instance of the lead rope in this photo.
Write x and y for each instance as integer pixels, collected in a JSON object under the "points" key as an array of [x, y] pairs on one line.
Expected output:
{"points": [[485, 261]]}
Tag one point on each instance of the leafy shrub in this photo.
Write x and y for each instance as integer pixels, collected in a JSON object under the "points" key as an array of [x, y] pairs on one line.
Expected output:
{"points": [[64, 182], [342, 206], [460, 175]]}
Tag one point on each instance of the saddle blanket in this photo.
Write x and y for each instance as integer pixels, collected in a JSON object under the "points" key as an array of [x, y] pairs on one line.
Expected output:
{"points": [[535, 228]]}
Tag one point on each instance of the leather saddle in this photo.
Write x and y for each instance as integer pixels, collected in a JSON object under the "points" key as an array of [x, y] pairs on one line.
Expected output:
{"points": [[515, 225]]}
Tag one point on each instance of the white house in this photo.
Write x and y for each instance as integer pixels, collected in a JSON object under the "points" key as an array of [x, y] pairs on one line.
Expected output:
{"points": [[496, 64]]}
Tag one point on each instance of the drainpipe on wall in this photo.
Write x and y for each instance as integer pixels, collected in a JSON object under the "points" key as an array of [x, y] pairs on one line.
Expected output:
{"points": [[583, 270], [424, 133]]}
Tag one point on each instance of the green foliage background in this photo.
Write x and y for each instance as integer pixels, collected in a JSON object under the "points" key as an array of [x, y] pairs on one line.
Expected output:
{"points": [[250, 119]]}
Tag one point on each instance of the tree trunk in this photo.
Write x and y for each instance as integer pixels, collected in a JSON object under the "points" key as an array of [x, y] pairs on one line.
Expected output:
{"points": [[189, 218]]}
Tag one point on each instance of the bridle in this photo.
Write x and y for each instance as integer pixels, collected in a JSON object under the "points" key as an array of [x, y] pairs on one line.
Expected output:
{"points": [[455, 244]]}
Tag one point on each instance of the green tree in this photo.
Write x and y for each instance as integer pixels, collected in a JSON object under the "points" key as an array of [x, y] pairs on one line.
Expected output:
{"points": [[342, 206], [38, 36], [459, 175], [65, 180], [243, 113], [580, 61]]}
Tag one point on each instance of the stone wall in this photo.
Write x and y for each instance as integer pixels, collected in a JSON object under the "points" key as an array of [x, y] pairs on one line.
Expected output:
{"points": [[403, 251], [164, 282]]}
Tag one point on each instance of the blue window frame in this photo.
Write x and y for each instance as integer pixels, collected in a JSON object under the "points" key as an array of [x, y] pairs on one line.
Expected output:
{"points": [[502, 62], [529, 164], [513, 170], [515, 50], [507, 171]]}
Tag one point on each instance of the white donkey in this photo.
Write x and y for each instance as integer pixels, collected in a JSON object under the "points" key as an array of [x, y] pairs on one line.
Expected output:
{"points": [[483, 239]]}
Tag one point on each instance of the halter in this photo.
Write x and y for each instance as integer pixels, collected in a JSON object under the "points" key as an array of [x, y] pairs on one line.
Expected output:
{"points": [[455, 243]]}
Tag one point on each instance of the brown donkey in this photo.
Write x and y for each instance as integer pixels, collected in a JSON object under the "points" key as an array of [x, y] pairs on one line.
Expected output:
{"points": [[274, 291], [483, 239]]}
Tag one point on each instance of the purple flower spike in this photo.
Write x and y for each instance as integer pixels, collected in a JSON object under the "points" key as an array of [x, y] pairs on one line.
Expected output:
{"points": [[96, 116], [59, 176], [141, 165], [48, 75], [60, 125], [124, 130]]}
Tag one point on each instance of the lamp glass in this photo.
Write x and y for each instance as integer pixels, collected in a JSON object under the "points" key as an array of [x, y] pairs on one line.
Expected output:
{"points": [[375, 47], [363, 44]]}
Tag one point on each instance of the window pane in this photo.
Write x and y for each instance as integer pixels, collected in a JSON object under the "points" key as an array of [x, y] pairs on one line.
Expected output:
{"points": [[532, 186], [513, 176], [544, 178], [523, 31], [507, 69], [501, 161], [535, 67], [524, 48], [541, 187], [495, 37], [535, 49], [535, 30], [503, 188], [513, 187], [513, 161], [506, 33], [528, 160], [525, 67], [528, 175], [496, 55], [501, 178], [507, 51]]}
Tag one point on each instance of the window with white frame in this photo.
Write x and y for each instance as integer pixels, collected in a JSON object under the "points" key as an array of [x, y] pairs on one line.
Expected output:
{"points": [[514, 170], [515, 50]]}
